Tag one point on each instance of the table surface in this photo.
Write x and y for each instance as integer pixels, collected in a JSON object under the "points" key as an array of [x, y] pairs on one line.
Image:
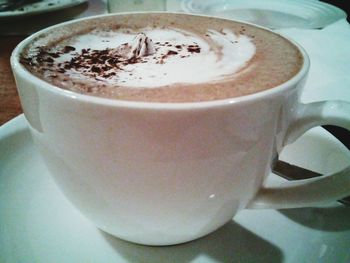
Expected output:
{"points": [[9, 101]]}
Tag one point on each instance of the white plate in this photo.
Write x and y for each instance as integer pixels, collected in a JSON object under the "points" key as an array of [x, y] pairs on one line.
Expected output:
{"points": [[270, 13], [41, 7], [37, 223]]}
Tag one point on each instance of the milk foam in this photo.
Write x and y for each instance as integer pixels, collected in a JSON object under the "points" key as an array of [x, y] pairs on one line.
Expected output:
{"points": [[166, 57], [177, 56]]}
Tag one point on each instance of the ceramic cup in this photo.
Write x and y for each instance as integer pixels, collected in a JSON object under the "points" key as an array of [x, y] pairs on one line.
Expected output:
{"points": [[167, 173]]}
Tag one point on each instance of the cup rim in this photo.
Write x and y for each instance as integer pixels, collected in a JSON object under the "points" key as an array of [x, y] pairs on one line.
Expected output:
{"points": [[19, 69]]}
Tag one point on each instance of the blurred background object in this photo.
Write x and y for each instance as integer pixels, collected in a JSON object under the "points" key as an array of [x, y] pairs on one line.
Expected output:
{"points": [[16, 8], [35, 16], [10, 5], [275, 14], [132, 5], [341, 4]]}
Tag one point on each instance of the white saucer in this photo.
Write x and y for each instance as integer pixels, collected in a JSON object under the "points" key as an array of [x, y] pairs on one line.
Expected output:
{"points": [[270, 13], [41, 7], [37, 223]]}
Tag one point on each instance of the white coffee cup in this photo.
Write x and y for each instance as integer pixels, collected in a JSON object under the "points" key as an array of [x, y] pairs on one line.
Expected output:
{"points": [[167, 173]]}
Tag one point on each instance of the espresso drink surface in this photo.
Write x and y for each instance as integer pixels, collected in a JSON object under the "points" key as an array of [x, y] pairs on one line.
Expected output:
{"points": [[162, 58]]}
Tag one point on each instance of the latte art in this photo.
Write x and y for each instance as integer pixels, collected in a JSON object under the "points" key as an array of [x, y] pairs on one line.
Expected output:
{"points": [[150, 57], [153, 58]]}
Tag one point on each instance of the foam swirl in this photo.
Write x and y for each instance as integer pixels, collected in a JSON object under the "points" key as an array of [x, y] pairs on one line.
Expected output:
{"points": [[154, 58]]}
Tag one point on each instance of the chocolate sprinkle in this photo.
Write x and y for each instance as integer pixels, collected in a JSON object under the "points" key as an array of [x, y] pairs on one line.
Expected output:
{"points": [[172, 52], [193, 49], [68, 49], [103, 64]]}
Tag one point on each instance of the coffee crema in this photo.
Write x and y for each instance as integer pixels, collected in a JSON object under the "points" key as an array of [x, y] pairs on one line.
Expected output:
{"points": [[162, 58]]}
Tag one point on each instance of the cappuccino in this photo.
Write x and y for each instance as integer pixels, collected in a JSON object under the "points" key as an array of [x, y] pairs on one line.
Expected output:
{"points": [[162, 58]]}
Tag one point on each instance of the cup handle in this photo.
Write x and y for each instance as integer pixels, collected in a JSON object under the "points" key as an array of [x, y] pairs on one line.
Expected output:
{"points": [[314, 191]]}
